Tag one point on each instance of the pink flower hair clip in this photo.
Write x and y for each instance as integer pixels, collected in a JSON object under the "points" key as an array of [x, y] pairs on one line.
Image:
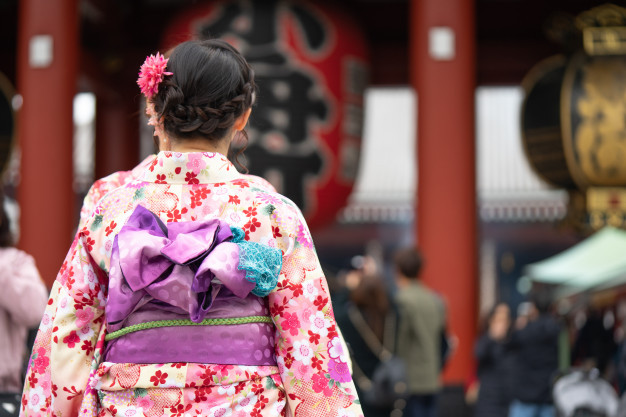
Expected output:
{"points": [[151, 74]]}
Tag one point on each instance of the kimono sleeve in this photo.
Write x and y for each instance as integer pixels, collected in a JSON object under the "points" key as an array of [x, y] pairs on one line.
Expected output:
{"points": [[63, 352], [311, 355], [97, 190]]}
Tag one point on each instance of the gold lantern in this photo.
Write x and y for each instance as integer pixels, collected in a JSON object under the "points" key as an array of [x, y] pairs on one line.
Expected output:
{"points": [[574, 119]]}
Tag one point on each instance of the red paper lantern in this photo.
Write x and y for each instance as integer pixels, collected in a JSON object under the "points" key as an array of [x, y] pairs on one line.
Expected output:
{"points": [[310, 62]]}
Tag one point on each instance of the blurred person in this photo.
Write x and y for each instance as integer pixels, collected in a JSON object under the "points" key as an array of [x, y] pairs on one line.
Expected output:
{"points": [[594, 345], [22, 302], [215, 302], [367, 322], [620, 365], [421, 324], [535, 345], [493, 364]]}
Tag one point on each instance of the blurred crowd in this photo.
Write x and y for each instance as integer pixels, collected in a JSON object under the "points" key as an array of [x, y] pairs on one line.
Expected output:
{"points": [[535, 361], [396, 329]]}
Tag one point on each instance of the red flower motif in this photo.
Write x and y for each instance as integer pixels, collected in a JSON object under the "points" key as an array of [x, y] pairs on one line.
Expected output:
{"points": [[32, 379], [257, 388], [152, 165], [314, 337], [291, 323], [239, 387], [277, 310], [207, 376], [198, 196], [320, 302], [89, 242], [87, 347], [109, 229], [65, 273], [158, 378], [242, 183], [72, 391], [261, 402], [190, 177], [332, 332], [297, 289], [288, 360], [160, 179], [175, 215], [71, 339], [276, 232], [317, 363], [250, 212], [180, 409], [281, 395], [202, 394], [203, 192], [233, 199], [251, 225], [112, 410]]}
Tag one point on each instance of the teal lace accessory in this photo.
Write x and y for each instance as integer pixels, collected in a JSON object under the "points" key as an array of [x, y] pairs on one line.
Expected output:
{"points": [[262, 263]]}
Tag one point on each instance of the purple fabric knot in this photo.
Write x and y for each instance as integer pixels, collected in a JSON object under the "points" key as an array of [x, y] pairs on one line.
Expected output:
{"points": [[176, 266]]}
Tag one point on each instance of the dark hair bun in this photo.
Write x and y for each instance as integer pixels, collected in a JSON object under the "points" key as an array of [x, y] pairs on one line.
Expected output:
{"points": [[211, 86]]}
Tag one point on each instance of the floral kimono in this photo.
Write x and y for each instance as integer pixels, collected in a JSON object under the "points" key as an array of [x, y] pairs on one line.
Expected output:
{"points": [[102, 186], [192, 290]]}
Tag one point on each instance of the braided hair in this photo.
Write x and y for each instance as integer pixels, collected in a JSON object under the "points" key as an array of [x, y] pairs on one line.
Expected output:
{"points": [[211, 86]]}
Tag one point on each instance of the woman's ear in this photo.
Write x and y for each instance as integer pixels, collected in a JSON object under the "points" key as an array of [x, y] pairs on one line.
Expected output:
{"points": [[242, 120]]}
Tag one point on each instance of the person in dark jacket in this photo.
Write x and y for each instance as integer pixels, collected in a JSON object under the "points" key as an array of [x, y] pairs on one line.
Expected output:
{"points": [[535, 346], [595, 345], [361, 311], [494, 364]]}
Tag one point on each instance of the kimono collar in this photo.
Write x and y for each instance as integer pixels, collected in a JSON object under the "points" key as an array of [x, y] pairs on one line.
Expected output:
{"points": [[190, 168]]}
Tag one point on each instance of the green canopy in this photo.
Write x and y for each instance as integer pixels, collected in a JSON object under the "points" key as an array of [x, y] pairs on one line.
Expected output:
{"points": [[598, 262]]}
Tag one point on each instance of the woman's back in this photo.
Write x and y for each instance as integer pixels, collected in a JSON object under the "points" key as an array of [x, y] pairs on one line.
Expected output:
{"points": [[192, 289]]}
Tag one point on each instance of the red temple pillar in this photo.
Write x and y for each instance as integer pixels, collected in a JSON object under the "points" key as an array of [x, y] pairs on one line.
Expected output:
{"points": [[117, 134], [442, 60], [46, 78]]}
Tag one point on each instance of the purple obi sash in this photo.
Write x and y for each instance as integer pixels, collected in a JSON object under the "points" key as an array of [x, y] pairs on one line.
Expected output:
{"points": [[188, 274]]}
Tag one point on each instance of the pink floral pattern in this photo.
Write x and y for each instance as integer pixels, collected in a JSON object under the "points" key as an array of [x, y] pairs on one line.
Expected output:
{"points": [[67, 377], [196, 163]]}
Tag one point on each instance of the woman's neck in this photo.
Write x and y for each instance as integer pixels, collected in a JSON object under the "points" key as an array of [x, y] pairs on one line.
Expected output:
{"points": [[199, 145]]}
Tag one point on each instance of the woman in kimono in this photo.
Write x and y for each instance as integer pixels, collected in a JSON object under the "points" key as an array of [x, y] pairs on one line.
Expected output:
{"points": [[192, 290]]}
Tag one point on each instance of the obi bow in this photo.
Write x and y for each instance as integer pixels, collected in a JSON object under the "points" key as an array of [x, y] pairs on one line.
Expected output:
{"points": [[184, 265]]}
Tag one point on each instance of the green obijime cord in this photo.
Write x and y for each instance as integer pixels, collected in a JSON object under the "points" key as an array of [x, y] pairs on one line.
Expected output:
{"points": [[187, 322]]}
